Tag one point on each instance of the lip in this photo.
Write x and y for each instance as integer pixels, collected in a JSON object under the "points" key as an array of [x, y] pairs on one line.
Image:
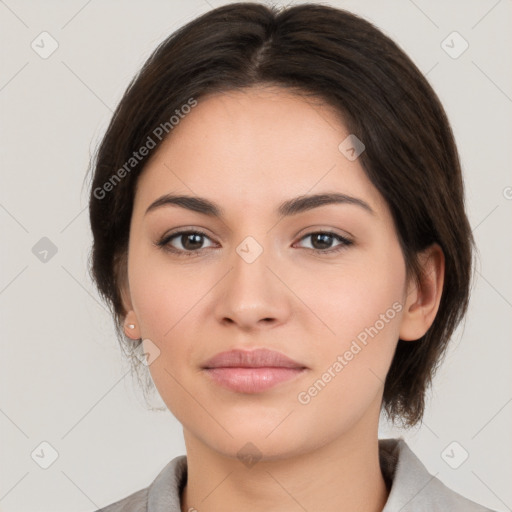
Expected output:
{"points": [[252, 371]]}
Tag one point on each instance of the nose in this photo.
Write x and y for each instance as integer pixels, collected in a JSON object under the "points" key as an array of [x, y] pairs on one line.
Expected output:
{"points": [[253, 295]]}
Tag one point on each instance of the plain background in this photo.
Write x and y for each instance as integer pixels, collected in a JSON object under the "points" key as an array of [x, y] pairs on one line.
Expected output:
{"points": [[63, 377]]}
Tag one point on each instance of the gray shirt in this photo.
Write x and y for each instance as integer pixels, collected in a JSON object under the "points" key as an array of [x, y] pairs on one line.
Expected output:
{"points": [[412, 487]]}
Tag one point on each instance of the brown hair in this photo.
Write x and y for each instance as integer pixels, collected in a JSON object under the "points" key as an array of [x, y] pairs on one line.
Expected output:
{"points": [[325, 53]]}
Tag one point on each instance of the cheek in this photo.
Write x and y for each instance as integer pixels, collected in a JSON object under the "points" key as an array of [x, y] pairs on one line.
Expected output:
{"points": [[164, 296], [361, 297], [167, 302], [362, 306], [350, 375]]}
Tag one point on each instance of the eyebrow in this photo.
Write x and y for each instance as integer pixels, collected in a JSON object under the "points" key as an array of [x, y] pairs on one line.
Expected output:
{"points": [[287, 208]]}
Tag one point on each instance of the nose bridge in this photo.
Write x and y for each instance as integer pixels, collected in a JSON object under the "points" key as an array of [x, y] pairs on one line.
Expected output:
{"points": [[251, 292], [250, 260], [249, 280]]}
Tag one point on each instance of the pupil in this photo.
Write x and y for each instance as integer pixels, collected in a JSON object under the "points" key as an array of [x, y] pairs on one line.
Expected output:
{"points": [[324, 244], [194, 238]]}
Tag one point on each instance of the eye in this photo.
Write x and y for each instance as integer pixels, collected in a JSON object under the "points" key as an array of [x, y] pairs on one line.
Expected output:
{"points": [[188, 242], [322, 241]]}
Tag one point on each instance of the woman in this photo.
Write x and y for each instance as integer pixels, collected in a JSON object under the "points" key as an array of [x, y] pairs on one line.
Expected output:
{"points": [[278, 218]]}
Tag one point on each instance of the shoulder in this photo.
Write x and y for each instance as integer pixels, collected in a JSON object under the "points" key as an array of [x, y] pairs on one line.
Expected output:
{"points": [[413, 488], [162, 495], [136, 502]]}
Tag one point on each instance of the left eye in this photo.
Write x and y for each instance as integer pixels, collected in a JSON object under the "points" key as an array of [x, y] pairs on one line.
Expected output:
{"points": [[322, 241]]}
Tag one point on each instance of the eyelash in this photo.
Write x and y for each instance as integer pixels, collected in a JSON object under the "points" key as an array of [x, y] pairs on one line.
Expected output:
{"points": [[163, 243]]}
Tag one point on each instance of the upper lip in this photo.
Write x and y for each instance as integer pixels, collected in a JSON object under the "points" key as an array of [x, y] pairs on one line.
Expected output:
{"points": [[258, 358]]}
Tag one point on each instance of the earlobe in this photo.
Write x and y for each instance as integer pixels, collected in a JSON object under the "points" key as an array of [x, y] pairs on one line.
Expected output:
{"points": [[130, 323], [131, 326], [423, 297]]}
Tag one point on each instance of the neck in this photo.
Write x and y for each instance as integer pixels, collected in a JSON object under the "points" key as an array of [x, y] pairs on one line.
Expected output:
{"points": [[343, 475]]}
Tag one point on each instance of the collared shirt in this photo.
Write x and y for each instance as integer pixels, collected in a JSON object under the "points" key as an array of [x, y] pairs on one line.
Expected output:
{"points": [[412, 487]]}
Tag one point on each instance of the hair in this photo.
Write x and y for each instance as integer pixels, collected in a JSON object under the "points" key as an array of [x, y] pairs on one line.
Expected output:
{"points": [[329, 54]]}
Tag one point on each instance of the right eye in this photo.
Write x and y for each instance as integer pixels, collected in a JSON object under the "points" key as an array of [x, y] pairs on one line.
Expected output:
{"points": [[189, 242]]}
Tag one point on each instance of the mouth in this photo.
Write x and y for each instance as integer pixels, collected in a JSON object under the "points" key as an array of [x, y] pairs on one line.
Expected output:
{"points": [[252, 371]]}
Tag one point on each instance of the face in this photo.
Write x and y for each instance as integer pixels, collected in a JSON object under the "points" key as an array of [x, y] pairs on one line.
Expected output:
{"points": [[324, 285]]}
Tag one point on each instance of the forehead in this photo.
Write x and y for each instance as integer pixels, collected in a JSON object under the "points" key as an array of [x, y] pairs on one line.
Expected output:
{"points": [[255, 147]]}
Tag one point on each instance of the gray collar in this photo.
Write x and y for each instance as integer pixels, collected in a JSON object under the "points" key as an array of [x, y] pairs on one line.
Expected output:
{"points": [[412, 487]]}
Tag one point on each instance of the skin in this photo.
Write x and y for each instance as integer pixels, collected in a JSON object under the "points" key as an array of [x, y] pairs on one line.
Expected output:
{"points": [[248, 151]]}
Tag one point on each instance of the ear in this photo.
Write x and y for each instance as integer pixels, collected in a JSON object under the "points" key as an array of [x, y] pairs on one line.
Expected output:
{"points": [[423, 297], [130, 323]]}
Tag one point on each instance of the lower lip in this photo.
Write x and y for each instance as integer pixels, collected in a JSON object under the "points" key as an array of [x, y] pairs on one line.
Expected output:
{"points": [[252, 380]]}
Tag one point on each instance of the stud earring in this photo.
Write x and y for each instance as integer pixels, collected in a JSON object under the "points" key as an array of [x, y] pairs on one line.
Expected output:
{"points": [[131, 326]]}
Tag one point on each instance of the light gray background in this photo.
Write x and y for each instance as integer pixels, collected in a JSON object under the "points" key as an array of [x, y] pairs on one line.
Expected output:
{"points": [[63, 377]]}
